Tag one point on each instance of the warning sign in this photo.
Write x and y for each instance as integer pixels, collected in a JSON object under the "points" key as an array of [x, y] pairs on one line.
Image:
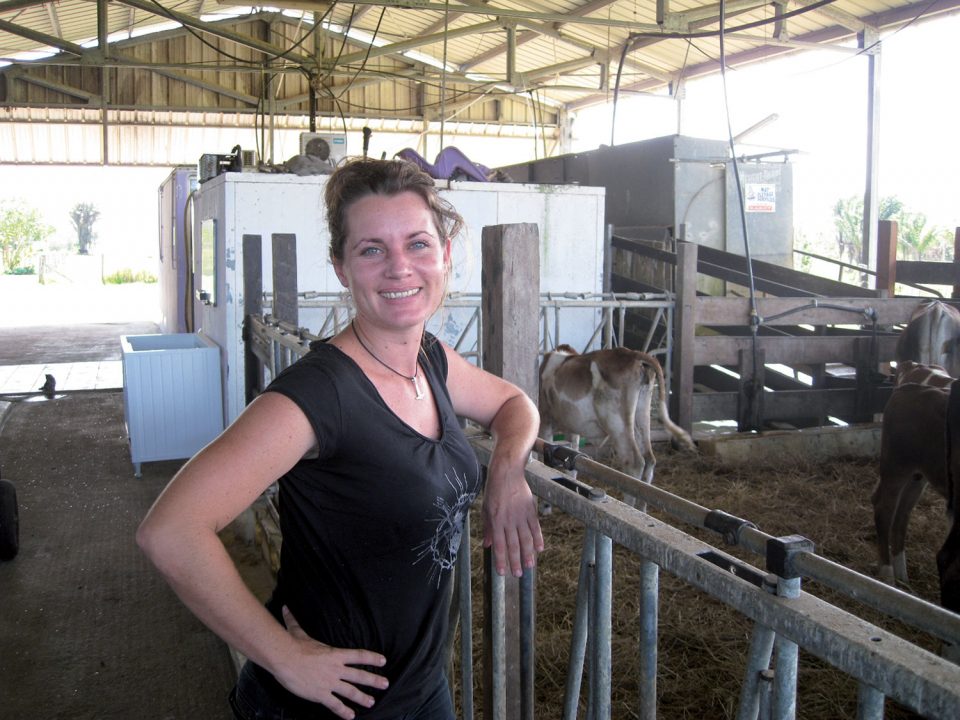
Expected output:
{"points": [[761, 197]]}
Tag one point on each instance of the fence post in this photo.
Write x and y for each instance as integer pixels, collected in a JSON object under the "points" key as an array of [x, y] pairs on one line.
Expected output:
{"points": [[510, 278], [681, 401], [285, 305], [887, 256], [252, 305]]}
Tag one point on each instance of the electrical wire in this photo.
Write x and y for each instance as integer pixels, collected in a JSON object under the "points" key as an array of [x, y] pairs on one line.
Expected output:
{"points": [[366, 57]]}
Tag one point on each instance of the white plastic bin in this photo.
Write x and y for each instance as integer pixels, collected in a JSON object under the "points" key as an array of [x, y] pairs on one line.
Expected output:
{"points": [[172, 398]]}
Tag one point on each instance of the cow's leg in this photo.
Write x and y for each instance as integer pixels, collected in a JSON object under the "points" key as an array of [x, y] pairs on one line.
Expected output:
{"points": [[909, 495], [642, 425], [886, 496], [948, 565]]}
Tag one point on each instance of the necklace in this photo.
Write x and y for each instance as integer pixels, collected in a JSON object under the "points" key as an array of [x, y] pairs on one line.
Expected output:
{"points": [[415, 378]]}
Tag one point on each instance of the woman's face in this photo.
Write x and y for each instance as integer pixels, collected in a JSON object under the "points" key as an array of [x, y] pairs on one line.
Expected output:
{"points": [[394, 260]]}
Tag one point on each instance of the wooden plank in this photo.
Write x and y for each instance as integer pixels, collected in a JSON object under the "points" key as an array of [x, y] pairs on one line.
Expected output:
{"points": [[720, 350], [787, 405], [736, 311]]}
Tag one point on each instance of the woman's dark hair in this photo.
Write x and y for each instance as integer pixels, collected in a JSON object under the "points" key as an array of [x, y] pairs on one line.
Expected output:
{"points": [[361, 177]]}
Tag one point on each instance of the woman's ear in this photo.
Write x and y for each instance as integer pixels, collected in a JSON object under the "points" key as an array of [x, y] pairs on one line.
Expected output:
{"points": [[341, 276], [447, 254]]}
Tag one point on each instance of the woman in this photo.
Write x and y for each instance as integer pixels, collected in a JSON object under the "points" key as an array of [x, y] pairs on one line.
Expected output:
{"points": [[375, 478]]}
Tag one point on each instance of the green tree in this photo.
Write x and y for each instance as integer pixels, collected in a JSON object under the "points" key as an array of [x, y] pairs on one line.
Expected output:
{"points": [[924, 242], [21, 231], [83, 216], [848, 222]]}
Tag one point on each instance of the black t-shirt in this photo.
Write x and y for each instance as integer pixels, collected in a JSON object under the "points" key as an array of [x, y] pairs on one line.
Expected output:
{"points": [[372, 525]]}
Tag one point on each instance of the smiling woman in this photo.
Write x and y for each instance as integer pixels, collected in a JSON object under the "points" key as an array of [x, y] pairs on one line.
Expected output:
{"points": [[375, 479]]}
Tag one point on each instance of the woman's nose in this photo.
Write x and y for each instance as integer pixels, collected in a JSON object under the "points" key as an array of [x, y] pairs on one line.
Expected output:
{"points": [[397, 264]]}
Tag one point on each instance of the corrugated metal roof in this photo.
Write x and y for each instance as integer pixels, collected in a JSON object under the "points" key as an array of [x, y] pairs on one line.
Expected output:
{"points": [[259, 59]]}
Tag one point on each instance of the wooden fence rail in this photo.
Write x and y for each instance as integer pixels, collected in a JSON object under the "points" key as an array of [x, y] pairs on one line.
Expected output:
{"points": [[838, 335]]}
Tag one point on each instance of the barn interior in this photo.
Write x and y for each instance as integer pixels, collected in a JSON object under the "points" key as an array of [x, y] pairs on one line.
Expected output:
{"points": [[677, 245]]}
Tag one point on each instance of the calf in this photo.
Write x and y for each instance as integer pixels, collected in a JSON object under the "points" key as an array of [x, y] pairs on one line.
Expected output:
{"points": [[909, 371], [606, 395], [948, 558], [912, 454], [932, 337]]}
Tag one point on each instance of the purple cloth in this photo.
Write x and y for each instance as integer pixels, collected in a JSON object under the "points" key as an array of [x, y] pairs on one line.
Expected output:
{"points": [[450, 164]]}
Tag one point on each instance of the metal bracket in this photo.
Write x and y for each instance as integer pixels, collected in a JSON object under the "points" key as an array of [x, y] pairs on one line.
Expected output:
{"points": [[781, 552], [729, 526], [561, 456], [587, 491]]}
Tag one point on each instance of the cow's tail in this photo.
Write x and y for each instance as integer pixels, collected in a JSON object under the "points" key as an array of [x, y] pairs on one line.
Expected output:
{"points": [[680, 435]]}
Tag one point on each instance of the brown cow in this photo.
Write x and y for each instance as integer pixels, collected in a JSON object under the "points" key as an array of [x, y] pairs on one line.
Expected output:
{"points": [[932, 337], [606, 395], [948, 558], [912, 453], [909, 371]]}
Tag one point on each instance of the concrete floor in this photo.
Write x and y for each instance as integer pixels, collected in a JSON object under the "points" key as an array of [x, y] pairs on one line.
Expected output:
{"points": [[87, 627]]}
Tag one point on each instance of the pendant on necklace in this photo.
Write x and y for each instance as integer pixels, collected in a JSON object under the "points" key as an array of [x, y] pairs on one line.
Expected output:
{"points": [[416, 386]]}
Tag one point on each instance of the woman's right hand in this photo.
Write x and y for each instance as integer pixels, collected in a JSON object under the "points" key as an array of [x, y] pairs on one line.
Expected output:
{"points": [[325, 674]]}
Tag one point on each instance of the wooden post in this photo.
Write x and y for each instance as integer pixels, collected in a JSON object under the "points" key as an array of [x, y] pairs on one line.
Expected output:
{"points": [[510, 278], [887, 256], [252, 305], [867, 372], [285, 279], [684, 324], [750, 392]]}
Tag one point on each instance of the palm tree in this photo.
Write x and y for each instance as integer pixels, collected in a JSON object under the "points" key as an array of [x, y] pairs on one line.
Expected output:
{"points": [[848, 221], [926, 242], [83, 216]]}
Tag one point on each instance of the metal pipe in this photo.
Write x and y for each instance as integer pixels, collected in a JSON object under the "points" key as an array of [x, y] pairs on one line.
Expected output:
{"points": [[578, 636], [758, 662], [603, 628], [869, 703], [649, 619], [788, 655], [463, 570], [528, 639], [498, 653]]}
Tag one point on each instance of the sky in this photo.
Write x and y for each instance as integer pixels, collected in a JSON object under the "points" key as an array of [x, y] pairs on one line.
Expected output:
{"points": [[819, 99]]}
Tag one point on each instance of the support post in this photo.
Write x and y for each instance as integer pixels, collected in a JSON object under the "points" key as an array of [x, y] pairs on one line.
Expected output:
{"points": [[750, 393], [681, 401], [887, 256], [252, 305], [869, 41], [285, 279], [510, 278]]}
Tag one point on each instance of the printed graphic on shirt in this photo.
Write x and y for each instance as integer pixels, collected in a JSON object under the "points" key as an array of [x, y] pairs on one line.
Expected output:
{"points": [[441, 550]]}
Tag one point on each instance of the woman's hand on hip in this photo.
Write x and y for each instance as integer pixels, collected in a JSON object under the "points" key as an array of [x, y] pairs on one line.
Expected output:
{"points": [[329, 675]]}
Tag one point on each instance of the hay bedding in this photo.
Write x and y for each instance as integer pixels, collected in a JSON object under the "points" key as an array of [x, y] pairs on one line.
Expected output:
{"points": [[703, 644]]}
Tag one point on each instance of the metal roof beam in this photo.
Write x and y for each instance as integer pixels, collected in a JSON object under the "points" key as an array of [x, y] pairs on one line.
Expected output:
{"points": [[54, 19], [43, 38], [19, 73], [845, 19], [212, 87], [413, 43], [474, 8], [217, 31]]}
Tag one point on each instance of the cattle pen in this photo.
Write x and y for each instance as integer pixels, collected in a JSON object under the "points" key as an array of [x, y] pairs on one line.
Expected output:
{"points": [[785, 619]]}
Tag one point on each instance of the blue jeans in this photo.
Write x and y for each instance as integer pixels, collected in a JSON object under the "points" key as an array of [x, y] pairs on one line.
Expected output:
{"points": [[249, 700]]}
